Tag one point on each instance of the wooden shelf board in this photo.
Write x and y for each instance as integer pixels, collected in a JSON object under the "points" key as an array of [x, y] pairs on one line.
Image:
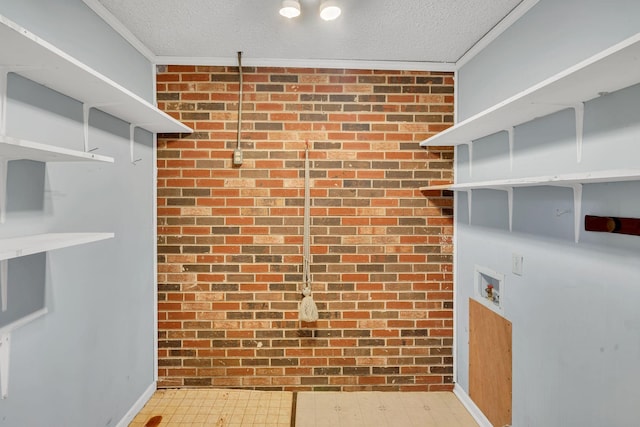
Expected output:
{"points": [[21, 246], [15, 148], [31, 57], [610, 70], [567, 179]]}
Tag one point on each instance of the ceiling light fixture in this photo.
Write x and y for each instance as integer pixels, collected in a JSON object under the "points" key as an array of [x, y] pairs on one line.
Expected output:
{"points": [[329, 10], [290, 8]]}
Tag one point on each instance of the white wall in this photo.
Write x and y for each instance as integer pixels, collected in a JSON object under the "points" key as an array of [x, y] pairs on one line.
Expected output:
{"points": [[576, 323], [91, 357]]}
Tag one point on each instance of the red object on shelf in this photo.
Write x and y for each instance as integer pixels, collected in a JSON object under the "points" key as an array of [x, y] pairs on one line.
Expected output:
{"points": [[612, 224]]}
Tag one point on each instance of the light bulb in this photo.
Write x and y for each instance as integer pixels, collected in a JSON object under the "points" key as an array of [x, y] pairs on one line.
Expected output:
{"points": [[329, 10], [290, 8]]}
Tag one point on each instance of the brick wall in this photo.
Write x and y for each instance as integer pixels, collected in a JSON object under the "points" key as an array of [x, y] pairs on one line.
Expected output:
{"points": [[230, 238]]}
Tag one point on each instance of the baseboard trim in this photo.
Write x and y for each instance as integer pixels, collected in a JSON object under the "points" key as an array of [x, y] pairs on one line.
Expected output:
{"points": [[142, 400], [475, 412]]}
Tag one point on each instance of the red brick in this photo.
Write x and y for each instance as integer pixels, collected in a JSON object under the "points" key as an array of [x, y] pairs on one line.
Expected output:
{"points": [[235, 295]]}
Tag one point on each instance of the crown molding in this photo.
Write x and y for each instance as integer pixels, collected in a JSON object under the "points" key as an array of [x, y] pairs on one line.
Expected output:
{"points": [[309, 63]]}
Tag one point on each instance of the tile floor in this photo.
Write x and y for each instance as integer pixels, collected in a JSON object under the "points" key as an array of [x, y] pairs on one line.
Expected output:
{"points": [[216, 408], [247, 408]]}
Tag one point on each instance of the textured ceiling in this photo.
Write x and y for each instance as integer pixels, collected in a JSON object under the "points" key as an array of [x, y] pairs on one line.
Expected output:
{"points": [[367, 30]]}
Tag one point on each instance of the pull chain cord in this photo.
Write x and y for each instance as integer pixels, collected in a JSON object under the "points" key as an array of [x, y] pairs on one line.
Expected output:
{"points": [[306, 222], [239, 101], [237, 153], [308, 310]]}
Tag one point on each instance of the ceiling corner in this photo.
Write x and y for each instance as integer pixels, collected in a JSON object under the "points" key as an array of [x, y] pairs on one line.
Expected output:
{"points": [[121, 29], [520, 10]]}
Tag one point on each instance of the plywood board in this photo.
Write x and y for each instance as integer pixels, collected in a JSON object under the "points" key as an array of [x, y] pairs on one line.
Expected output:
{"points": [[490, 363], [381, 409]]}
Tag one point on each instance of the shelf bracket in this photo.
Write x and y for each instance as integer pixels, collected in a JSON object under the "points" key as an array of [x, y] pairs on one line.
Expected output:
{"points": [[509, 191], [132, 129], [579, 111], [5, 340], [4, 277], [510, 131], [577, 209], [469, 203]]}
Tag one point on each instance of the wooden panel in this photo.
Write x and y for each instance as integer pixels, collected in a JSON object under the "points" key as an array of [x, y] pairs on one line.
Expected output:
{"points": [[490, 363]]}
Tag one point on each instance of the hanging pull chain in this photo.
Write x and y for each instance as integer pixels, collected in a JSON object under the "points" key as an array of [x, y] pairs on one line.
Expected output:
{"points": [[307, 221], [308, 310], [237, 153]]}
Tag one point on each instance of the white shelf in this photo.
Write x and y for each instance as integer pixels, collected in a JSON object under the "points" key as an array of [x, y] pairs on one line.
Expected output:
{"points": [[29, 56], [557, 180], [21, 246], [574, 181], [610, 70], [24, 53], [14, 149]]}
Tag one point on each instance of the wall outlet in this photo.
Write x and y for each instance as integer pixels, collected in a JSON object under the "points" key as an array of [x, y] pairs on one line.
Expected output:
{"points": [[237, 157], [516, 264]]}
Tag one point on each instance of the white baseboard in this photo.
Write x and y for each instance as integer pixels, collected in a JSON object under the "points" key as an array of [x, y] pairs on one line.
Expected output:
{"points": [[142, 400], [475, 412]]}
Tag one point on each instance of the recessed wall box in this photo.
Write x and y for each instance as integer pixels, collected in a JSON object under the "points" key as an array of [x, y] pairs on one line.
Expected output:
{"points": [[489, 287]]}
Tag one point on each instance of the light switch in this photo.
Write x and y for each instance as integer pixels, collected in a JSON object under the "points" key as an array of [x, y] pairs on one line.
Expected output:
{"points": [[516, 264]]}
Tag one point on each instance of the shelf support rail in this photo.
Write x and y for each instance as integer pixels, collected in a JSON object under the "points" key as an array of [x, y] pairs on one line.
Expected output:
{"points": [[509, 191], [132, 130], [5, 341], [579, 111], [511, 133], [469, 203], [577, 209]]}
